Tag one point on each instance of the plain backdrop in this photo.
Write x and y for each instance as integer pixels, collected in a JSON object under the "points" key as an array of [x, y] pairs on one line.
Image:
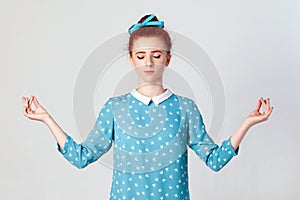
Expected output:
{"points": [[254, 45]]}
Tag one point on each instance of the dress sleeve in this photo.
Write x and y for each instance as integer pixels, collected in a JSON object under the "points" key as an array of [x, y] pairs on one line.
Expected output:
{"points": [[214, 156], [98, 141]]}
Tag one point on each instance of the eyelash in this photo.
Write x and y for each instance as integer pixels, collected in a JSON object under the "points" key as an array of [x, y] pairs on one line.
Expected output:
{"points": [[140, 58]]}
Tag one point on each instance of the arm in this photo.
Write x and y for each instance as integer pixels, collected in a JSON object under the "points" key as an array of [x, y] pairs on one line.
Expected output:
{"points": [[216, 157], [97, 143], [57, 131], [40, 114], [255, 117], [213, 155]]}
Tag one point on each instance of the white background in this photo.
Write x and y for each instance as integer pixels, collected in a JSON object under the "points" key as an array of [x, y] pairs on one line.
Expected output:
{"points": [[254, 45]]}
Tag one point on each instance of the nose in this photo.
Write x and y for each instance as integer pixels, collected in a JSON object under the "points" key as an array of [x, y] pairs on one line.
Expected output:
{"points": [[149, 61]]}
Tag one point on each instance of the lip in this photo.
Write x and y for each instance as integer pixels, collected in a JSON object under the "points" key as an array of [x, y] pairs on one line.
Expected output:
{"points": [[149, 71]]}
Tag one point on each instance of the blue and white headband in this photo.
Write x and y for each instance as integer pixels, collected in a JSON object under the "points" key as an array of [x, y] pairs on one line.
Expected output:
{"points": [[146, 22]]}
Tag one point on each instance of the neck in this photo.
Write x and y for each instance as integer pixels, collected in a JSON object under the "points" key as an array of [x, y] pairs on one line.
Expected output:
{"points": [[151, 89]]}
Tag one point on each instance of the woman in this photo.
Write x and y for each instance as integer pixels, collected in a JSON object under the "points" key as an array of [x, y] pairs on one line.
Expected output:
{"points": [[150, 127]]}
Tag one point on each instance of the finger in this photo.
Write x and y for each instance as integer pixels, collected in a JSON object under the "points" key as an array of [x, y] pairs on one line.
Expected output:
{"points": [[267, 105], [258, 105], [30, 101], [24, 101], [25, 111], [28, 106], [25, 106], [35, 101], [263, 104], [270, 111], [27, 102], [266, 115], [32, 107]]}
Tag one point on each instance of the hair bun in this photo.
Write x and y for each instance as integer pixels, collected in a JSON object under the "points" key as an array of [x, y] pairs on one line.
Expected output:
{"points": [[147, 20], [154, 18]]}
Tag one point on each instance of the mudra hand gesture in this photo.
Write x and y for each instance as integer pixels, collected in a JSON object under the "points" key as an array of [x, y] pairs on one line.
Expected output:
{"points": [[256, 116], [39, 114]]}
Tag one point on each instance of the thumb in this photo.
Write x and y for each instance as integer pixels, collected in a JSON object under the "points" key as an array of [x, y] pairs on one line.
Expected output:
{"points": [[35, 101]]}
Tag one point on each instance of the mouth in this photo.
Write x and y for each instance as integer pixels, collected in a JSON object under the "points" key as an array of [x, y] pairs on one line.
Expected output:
{"points": [[149, 72]]}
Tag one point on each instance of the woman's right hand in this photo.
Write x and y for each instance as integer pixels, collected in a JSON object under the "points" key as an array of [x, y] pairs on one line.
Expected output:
{"points": [[39, 114]]}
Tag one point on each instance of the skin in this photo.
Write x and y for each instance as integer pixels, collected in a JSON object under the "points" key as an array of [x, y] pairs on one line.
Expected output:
{"points": [[148, 53]]}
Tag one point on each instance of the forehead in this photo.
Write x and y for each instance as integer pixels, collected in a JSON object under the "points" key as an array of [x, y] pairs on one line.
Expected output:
{"points": [[149, 44]]}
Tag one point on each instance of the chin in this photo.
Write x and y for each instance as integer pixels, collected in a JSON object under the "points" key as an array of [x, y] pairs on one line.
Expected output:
{"points": [[152, 80]]}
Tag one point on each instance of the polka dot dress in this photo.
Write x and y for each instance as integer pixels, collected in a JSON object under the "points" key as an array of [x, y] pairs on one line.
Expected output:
{"points": [[150, 138]]}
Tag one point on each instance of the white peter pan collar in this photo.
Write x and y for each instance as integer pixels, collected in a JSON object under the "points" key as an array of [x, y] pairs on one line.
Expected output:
{"points": [[146, 100]]}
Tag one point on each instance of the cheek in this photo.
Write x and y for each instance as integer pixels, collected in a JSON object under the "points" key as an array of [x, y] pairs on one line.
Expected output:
{"points": [[162, 61], [136, 62]]}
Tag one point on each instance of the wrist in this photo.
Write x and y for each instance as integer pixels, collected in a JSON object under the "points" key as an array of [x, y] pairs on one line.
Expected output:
{"points": [[48, 119], [247, 124]]}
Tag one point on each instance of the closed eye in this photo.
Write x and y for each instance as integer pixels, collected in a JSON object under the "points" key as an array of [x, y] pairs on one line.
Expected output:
{"points": [[140, 57], [157, 56]]}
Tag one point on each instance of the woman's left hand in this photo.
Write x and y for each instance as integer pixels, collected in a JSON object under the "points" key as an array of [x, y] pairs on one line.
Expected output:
{"points": [[256, 116]]}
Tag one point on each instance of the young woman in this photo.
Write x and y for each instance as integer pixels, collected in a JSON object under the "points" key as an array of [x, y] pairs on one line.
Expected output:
{"points": [[150, 127]]}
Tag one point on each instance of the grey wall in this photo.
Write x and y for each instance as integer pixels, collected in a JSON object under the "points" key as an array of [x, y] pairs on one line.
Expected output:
{"points": [[253, 44]]}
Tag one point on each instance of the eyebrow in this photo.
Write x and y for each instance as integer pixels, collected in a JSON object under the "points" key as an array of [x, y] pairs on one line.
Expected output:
{"points": [[154, 51]]}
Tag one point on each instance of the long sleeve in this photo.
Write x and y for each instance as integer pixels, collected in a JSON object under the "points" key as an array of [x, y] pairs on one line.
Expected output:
{"points": [[214, 156], [98, 142]]}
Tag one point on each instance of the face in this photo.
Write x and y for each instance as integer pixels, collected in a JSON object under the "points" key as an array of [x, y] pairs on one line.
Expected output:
{"points": [[149, 58]]}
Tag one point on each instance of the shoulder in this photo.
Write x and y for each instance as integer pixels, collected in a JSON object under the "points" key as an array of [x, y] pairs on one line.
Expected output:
{"points": [[188, 105], [185, 101], [119, 98], [114, 99], [112, 103]]}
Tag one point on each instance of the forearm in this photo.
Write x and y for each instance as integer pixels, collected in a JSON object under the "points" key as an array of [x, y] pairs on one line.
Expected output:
{"points": [[56, 130], [238, 136]]}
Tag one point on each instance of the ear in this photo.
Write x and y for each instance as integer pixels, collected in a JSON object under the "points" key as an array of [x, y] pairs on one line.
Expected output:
{"points": [[168, 59]]}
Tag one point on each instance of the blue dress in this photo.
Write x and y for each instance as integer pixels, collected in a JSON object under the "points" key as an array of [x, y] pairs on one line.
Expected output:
{"points": [[150, 139]]}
